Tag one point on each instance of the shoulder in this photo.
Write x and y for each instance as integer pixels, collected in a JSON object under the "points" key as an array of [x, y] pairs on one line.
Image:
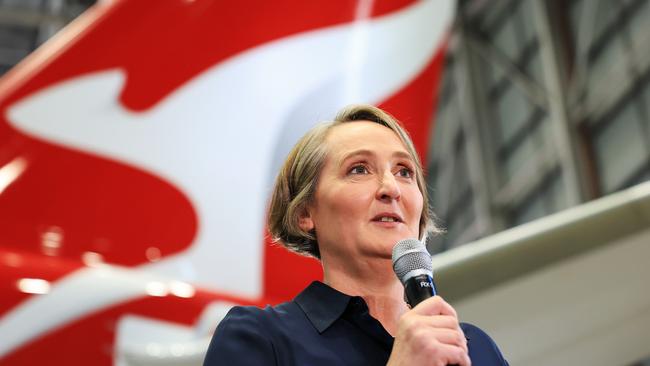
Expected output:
{"points": [[482, 349], [254, 316], [243, 315], [254, 319], [269, 317], [247, 335]]}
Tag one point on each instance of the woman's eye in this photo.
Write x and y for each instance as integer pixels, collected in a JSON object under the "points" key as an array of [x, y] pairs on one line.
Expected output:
{"points": [[359, 169], [405, 173]]}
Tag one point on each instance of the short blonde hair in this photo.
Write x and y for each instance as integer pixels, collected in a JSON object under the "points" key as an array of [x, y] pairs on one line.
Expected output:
{"points": [[295, 185]]}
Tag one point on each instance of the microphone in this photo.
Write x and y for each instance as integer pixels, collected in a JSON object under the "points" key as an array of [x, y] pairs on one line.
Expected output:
{"points": [[412, 265]]}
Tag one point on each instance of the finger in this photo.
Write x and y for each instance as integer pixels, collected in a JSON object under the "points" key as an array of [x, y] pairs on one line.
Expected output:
{"points": [[436, 321], [450, 337], [464, 339], [440, 328], [435, 306], [450, 355]]}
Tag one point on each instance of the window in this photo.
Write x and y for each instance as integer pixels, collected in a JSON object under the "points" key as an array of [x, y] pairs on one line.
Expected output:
{"points": [[620, 147], [26, 24], [545, 200], [540, 152]]}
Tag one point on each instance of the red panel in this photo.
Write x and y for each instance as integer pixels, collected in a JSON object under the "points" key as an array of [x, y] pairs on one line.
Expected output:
{"points": [[90, 340], [97, 205], [287, 273], [108, 207], [15, 266], [176, 40], [119, 211]]}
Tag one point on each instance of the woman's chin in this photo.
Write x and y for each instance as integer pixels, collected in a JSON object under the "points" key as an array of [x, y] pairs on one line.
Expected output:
{"points": [[385, 246], [390, 239]]}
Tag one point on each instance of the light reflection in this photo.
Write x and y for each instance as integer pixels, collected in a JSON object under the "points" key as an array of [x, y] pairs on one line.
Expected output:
{"points": [[153, 254], [156, 288], [154, 349], [12, 260], [35, 286], [51, 240], [177, 350], [181, 289], [11, 171], [92, 259]]}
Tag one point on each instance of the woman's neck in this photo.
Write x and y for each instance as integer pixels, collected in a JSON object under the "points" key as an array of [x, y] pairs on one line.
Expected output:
{"points": [[378, 286]]}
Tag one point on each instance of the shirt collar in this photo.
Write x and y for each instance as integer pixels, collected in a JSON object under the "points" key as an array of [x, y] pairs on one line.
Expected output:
{"points": [[322, 304]]}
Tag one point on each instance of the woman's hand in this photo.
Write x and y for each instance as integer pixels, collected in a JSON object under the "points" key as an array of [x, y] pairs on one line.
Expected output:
{"points": [[429, 335]]}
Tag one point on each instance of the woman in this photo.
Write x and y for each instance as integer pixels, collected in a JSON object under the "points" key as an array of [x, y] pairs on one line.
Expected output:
{"points": [[348, 191]]}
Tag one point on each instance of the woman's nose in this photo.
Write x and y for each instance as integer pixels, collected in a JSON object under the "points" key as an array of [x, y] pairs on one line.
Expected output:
{"points": [[388, 187]]}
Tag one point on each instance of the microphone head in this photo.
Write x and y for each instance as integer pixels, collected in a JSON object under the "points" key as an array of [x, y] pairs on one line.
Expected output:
{"points": [[411, 258]]}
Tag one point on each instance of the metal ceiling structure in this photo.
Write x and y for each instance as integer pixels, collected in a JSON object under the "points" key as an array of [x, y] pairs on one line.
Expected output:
{"points": [[26, 24]]}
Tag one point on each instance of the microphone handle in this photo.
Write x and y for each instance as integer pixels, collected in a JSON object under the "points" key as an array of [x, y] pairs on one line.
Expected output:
{"points": [[419, 288]]}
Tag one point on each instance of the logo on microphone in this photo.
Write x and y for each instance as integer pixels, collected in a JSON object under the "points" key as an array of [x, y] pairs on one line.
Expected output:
{"points": [[425, 284]]}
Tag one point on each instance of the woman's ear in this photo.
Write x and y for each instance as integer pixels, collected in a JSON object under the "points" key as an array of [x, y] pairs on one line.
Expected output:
{"points": [[305, 221]]}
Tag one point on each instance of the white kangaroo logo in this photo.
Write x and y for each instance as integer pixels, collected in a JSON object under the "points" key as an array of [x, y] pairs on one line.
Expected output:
{"points": [[217, 138]]}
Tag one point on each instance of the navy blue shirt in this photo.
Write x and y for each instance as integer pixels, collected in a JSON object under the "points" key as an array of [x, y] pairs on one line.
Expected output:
{"points": [[321, 326]]}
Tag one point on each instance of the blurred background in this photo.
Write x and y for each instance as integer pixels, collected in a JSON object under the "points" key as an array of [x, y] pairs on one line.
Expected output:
{"points": [[533, 121], [544, 106]]}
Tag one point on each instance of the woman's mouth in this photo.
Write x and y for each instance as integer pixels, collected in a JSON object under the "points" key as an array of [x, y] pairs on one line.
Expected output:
{"points": [[387, 219]]}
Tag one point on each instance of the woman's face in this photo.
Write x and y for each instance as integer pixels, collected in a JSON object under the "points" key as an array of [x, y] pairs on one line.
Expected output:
{"points": [[367, 196]]}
